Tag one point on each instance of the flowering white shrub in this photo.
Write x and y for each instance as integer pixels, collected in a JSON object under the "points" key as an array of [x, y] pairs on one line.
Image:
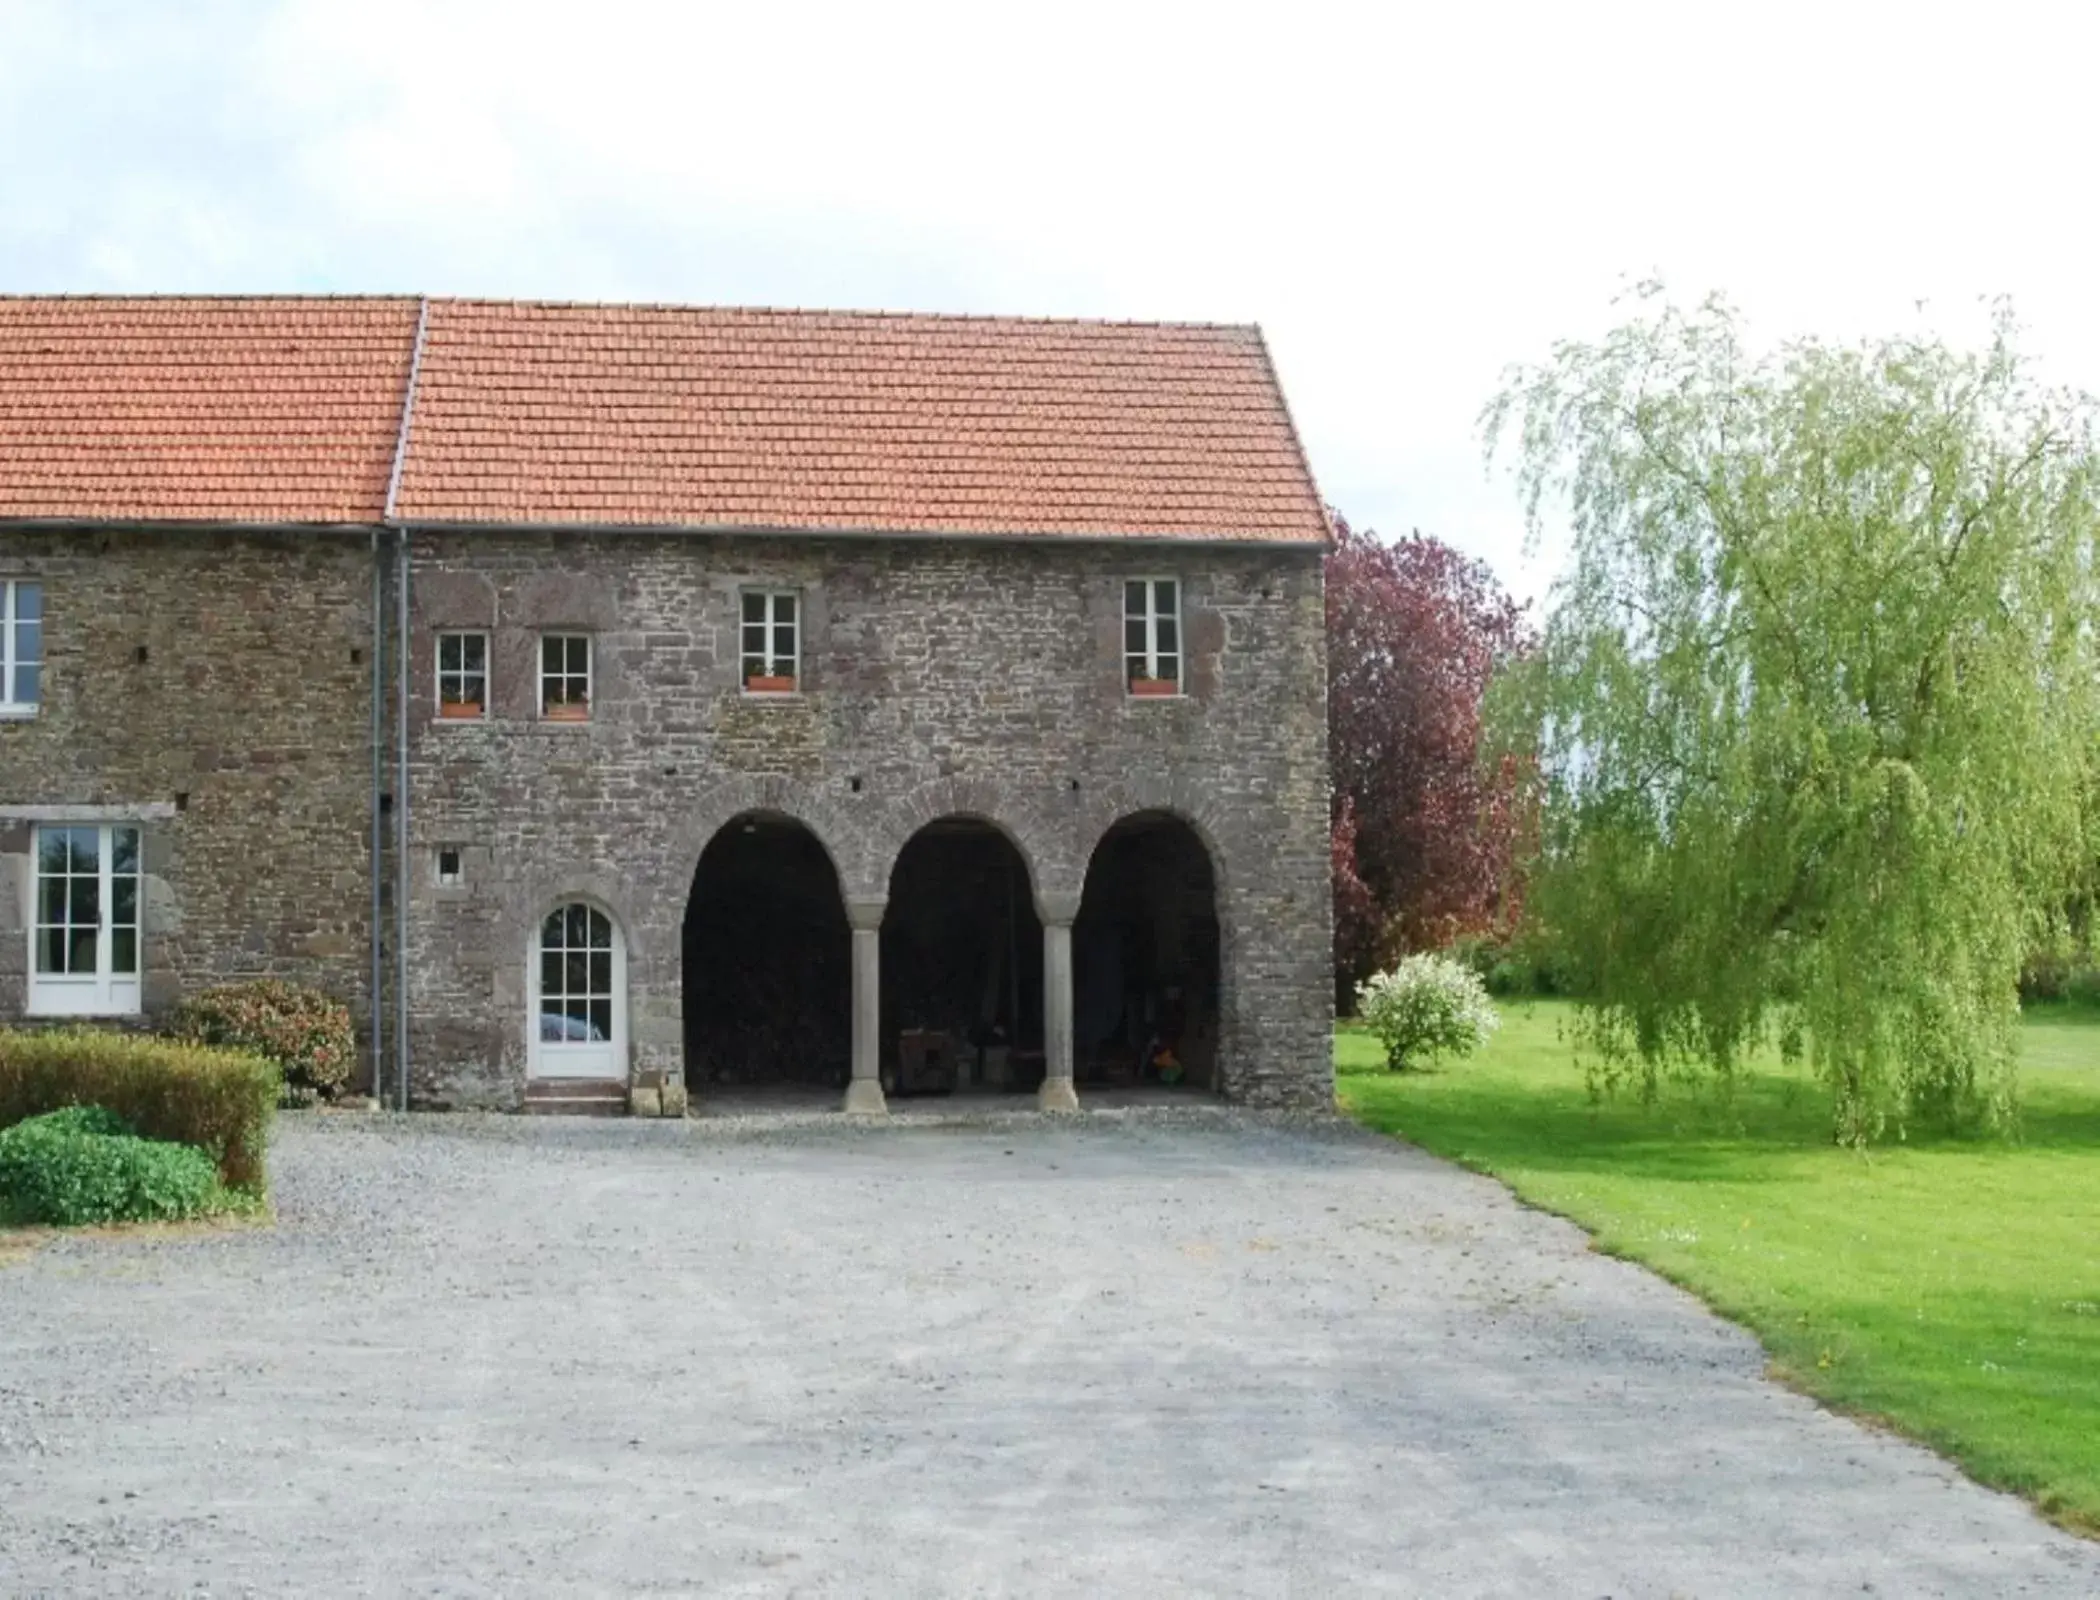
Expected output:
{"points": [[1427, 1006]]}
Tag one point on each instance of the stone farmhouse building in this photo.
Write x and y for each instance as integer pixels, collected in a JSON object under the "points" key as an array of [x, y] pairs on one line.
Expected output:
{"points": [[613, 703]]}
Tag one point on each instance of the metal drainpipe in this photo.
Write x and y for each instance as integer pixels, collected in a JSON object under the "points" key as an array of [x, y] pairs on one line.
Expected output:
{"points": [[401, 807], [401, 865], [376, 1010]]}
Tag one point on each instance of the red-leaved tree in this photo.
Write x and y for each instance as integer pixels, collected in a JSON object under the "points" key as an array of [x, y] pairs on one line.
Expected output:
{"points": [[1426, 837]]}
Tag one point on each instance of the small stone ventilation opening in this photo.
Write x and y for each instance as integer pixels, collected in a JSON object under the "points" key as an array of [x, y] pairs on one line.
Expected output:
{"points": [[768, 955], [962, 966], [1145, 960]]}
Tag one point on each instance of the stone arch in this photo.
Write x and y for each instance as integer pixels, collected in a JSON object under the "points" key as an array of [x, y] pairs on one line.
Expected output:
{"points": [[1103, 808], [1041, 846], [1154, 946], [961, 966], [844, 836], [765, 969]]}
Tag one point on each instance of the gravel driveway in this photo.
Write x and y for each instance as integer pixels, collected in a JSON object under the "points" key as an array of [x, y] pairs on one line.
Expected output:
{"points": [[1161, 1353]]}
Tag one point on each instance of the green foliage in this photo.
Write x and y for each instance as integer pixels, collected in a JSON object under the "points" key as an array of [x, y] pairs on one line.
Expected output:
{"points": [[220, 1101], [1427, 1007], [83, 1165], [305, 1032], [1815, 704], [1950, 1285]]}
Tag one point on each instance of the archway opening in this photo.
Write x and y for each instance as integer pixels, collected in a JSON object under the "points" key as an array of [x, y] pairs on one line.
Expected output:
{"points": [[768, 955], [962, 965], [1145, 959]]}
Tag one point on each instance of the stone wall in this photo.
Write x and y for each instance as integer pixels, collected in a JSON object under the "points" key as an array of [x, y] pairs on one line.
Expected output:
{"points": [[217, 685], [939, 678]]}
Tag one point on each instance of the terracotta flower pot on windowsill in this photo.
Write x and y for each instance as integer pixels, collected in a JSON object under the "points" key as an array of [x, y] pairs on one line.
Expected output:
{"points": [[1154, 688], [567, 713], [760, 684], [459, 710]]}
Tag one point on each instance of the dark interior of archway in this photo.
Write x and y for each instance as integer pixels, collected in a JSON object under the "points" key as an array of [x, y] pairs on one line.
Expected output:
{"points": [[1145, 967], [768, 961], [962, 965]]}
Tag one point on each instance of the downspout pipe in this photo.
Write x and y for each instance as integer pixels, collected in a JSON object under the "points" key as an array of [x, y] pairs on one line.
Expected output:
{"points": [[401, 870], [401, 673], [376, 1007]]}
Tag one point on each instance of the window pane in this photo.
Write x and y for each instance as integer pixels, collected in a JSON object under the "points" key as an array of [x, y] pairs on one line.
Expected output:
{"points": [[754, 666], [80, 949], [124, 851], [578, 1011], [29, 602], [84, 902], [50, 900], [1134, 636], [448, 652], [601, 972], [1167, 635], [124, 902], [551, 1030], [577, 933], [29, 641], [754, 607], [51, 850], [124, 951], [51, 950], [550, 654], [601, 931], [1163, 597], [601, 1019], [1133, 599], [474, 652], [784, 646], [1170, 668], [579, 657], [550, 931], [784, 608], [28, 683], [85, 847], [755, 639], [550, 973], [576, 973]]}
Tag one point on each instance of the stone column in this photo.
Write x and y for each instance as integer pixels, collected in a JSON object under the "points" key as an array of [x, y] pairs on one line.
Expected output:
{"points": [[1057, 912], [864, 1093]]}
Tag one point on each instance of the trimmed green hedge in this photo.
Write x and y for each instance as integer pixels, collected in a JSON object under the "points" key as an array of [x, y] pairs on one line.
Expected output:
{"points": [[304, 1031], [83, 1165], [220, 1101]]}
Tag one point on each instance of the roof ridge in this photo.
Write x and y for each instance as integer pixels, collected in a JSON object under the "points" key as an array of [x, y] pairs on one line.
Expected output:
{"points": [[558, 303]]}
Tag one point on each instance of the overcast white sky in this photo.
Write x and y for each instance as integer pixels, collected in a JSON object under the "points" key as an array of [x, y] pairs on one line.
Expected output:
{"points": [[1406, 197]]}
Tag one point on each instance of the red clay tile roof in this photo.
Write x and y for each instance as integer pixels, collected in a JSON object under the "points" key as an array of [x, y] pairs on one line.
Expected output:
{"points": [[222, 410], [646, 416]]}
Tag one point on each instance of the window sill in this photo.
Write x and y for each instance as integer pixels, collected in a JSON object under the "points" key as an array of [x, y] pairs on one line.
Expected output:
{"points": [[769, 694], [17, 713], [460, 722]]}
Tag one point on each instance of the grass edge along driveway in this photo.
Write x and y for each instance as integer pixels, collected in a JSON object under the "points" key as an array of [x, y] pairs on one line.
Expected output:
{"points": [[1947, 1287]]}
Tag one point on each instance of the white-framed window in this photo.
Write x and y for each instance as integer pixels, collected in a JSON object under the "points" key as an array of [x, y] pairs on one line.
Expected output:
{"points": [[565, 677], [578, 987], [21, 646], [1152, 636], [84, 940], [772, 641], [462, 676]]}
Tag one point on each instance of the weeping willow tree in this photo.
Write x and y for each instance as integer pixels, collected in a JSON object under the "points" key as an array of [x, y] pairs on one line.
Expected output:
{"points": [[1814, 709]]}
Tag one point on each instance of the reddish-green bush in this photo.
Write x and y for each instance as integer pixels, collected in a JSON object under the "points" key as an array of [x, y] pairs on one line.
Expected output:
{"points": [[307, 1034]]}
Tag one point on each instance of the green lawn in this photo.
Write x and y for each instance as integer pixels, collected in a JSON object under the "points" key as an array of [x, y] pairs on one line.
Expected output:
{"points": [[1949, 1286]]}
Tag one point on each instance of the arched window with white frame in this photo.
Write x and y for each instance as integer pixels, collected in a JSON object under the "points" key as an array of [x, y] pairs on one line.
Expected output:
{"points": [[578, 995]]}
